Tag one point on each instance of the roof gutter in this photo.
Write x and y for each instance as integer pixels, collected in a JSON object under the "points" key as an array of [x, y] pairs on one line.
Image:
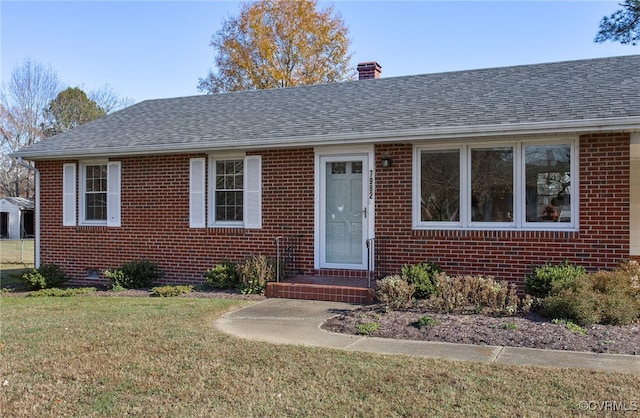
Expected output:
{"points": [[36, 210], [623, 124]]}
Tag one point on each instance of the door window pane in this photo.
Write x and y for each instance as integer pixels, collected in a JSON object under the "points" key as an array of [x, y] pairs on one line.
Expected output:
{"points": [[548, 183], [440, 186], [492, 184]]}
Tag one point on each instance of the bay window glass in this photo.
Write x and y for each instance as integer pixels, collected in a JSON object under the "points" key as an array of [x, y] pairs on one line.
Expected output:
{"points": [[548, 182], [518, 184], [492, 184], [440, 185]]}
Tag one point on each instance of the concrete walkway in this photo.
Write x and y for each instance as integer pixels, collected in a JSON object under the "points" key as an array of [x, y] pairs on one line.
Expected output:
{"points": [[288, 321]]}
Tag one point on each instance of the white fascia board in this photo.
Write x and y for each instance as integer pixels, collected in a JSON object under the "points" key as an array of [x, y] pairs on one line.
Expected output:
{"points": [[626, 124]]}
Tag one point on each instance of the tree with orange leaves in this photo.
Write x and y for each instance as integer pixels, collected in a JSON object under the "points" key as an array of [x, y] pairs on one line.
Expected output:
{"points": [[279, 43]]}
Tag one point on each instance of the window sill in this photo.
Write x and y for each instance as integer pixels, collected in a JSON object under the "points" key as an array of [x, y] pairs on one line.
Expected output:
{"points": [[226, 230], [91, 228], [564, 234]]}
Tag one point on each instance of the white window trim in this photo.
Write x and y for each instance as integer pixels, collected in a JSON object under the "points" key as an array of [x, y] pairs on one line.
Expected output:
{"points": [[519, 203], [113, 193], [256, 221]]}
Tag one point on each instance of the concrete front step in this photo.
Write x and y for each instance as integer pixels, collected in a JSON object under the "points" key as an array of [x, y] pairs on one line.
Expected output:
{"points": [[331, 293]]}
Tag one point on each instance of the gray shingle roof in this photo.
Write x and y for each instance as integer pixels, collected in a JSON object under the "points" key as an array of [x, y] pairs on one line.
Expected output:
{"points": [[22, 202], [559, 97]]}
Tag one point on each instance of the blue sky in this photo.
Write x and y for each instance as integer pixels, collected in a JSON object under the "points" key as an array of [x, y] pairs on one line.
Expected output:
{"points": [[154, 49]]}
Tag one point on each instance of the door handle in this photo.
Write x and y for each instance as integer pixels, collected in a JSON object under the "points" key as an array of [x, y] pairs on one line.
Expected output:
{"points": [[365, 212]]}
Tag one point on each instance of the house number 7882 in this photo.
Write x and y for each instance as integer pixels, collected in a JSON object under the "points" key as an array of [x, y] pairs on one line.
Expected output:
{"points": [[370, 184]]}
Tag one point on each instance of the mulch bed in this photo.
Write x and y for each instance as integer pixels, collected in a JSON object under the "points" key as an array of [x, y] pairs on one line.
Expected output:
{"points": [[532, 331]]}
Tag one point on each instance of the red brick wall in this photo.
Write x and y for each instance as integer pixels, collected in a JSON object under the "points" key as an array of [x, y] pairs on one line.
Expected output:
{"points": [[155, 219], [601, 242]]}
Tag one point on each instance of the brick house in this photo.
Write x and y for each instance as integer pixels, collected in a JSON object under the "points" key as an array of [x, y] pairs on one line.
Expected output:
{"points": [[487, 172]]}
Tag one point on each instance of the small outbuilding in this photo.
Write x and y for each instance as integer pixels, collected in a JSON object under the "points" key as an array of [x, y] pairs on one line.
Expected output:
{"points": [[16, 217]]}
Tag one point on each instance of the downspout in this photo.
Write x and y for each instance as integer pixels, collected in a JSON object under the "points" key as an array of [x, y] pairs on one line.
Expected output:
{"points": [[37, 211]]}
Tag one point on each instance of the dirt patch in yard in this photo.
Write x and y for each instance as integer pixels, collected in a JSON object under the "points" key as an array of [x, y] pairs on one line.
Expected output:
{"points": [[532, 331]]}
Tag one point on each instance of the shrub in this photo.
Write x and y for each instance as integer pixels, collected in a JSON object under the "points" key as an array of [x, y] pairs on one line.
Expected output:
{"points": [[135, 274], [426, 321], [577, 329], [539, 283], [254, 273], [223, 276], [602, 297], [476, 294], [54, 291], [169, 291], [422, 277], [366, 328], [46, 276], [395, 292], [117, 277]]}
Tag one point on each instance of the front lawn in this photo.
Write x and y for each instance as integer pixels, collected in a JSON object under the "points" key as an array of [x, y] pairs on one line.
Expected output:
{"points": [[116, 356], [16, 257]]}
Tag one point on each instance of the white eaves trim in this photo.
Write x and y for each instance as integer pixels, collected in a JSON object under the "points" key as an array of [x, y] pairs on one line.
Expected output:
{"points": [[626, 124]]}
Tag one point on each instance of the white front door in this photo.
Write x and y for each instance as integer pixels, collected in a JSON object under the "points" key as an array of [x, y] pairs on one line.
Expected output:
{"points": [[344, 207]]}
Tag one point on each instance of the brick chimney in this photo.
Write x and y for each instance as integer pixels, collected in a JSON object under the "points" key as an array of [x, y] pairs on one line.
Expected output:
{"points": [[367, 70]]}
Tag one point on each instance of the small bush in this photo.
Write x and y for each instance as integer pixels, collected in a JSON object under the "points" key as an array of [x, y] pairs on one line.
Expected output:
{"points": [[395, 292], [476, 294], [422, 277], [169, 291], [426, 321], [366, 328], [223, 276], [54, 291], [510, 326], [116, 287], [602, 297], [577, 329], [135, 274], [45, 277], [254, 273], [539, 283]]}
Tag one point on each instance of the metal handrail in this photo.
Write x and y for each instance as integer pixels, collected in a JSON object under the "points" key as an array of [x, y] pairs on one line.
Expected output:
{"points": [[287, 254], [376, 257]]}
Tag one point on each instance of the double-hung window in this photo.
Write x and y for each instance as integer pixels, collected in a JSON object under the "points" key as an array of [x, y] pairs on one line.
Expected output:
{"points": [[513, 185], [99, 193], [95, 192], [233, 195], [228, 190]]}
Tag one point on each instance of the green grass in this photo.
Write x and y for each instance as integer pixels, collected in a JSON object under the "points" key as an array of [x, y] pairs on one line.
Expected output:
{"points": [[16, 257], [161, 357]]}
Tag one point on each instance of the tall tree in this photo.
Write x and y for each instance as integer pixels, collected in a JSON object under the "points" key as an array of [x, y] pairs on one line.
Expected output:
{"points": [[70, 109], [622, 26], [31, 87], [108, 99], [279, 43]]}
